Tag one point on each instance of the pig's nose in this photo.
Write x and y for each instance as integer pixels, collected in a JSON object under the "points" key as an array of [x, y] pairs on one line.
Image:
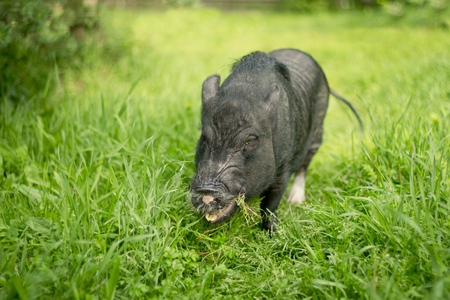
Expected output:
{"points": [[208, 192], [207, 199]]}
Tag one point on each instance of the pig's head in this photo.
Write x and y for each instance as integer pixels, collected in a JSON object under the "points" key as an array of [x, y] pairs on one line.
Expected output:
{"points": [[235, 153]]}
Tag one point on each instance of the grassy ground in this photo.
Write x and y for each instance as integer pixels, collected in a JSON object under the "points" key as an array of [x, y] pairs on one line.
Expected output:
{"points": [[94, 198]]}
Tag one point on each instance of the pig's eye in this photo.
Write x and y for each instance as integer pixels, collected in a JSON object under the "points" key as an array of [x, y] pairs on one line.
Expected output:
{"points": [[251, 143]]}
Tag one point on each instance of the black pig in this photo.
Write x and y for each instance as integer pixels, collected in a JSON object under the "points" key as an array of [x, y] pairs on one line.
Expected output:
{"points": [[264, 123]]}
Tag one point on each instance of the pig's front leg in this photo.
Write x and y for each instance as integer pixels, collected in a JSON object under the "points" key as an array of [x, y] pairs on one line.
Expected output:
{"points": [[269, 204]]}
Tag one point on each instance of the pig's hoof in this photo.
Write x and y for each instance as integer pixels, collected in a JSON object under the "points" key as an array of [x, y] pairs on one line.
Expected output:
{"points": [[270, 224]]}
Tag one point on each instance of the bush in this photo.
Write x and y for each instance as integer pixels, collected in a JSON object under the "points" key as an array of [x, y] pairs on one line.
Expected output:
{"points": [[392, 5], [35, 37]]}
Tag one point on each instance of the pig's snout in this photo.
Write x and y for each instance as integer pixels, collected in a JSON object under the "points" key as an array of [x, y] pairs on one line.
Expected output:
{"points": [[208, 193], [207, 199], [213, 199]]}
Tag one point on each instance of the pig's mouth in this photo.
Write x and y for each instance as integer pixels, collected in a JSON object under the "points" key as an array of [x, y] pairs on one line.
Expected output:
{"points": [[215, 202], [221, 215]]}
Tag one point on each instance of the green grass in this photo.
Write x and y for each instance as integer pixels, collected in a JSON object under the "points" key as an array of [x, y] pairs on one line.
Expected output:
{"points": [[94, 177]]}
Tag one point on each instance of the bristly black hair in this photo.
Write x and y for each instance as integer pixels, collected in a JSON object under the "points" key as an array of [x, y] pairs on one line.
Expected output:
{"points": [[250, 61], [259, 61]]}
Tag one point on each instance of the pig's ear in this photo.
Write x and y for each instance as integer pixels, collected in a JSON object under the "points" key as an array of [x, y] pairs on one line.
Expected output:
{"points": [[210, 88], [273, 99]]}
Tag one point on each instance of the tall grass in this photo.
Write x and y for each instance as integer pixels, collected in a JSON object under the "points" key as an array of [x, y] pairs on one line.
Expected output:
{"points": [[94, 184]]}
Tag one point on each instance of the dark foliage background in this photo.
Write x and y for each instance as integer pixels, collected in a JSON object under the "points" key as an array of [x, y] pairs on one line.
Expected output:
{"points": [[394, 7], [37, 37]]}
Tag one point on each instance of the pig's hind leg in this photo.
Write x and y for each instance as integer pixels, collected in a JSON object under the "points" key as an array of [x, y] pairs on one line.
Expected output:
{"points": [[297, 193]]}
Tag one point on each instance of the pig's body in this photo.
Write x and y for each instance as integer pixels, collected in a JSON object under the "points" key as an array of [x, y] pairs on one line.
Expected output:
{"points": [[263, 124], [306, 106]]}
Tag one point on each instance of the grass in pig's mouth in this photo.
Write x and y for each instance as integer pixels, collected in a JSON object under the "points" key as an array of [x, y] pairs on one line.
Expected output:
{"points": [[214, 216], [246, 209]]}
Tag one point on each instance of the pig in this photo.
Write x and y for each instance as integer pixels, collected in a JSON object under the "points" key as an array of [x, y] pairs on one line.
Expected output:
{"points": [[264, 123]]}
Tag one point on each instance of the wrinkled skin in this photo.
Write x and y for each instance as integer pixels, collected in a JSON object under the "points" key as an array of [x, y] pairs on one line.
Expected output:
{"points": [[263, 124]]}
